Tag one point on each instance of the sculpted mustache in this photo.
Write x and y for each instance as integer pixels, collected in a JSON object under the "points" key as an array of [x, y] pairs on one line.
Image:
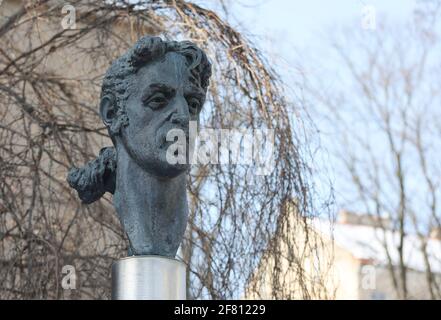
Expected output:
{"points": [[165, 128]]}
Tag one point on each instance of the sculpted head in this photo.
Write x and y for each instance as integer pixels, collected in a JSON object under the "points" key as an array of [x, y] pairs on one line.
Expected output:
{"points": [[155, 87]]}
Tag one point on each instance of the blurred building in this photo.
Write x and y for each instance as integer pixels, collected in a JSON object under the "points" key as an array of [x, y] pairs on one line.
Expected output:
{"points": [[356, 257]]}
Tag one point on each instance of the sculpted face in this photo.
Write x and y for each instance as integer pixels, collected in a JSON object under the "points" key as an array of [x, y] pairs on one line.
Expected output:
{"points": [[164, 98]]}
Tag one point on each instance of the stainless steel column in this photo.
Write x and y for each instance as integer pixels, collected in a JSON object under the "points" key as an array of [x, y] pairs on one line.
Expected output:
{"points": [[148, 278]]}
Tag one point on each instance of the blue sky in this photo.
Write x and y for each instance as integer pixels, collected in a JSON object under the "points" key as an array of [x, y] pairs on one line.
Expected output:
{"points": [[297, 22], [287, 30]]}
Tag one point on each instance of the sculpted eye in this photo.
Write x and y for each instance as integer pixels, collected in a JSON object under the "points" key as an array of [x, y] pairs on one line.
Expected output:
{"points": [[156, 101], [194, 105]]}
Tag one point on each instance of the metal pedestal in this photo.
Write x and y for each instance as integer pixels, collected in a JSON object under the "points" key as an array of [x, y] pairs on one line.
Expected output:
{"points": [[148, 278]]}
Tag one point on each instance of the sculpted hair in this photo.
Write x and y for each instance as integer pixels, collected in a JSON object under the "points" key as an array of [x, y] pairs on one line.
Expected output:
{"points": [[118, 77], [96, 177], [99, 176]]}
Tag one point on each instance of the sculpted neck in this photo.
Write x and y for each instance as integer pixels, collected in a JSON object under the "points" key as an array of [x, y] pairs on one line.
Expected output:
{"points": [[153, 210]]}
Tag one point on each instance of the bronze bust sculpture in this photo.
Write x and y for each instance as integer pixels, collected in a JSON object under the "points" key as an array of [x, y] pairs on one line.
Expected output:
{"points": [[155, 87]]}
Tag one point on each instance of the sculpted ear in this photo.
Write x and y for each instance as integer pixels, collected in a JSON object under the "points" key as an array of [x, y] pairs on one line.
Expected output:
{"points": [[108, 109]]}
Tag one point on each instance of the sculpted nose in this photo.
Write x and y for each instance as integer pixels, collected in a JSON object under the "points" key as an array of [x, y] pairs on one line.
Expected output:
{"points": [[181, 114]]}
